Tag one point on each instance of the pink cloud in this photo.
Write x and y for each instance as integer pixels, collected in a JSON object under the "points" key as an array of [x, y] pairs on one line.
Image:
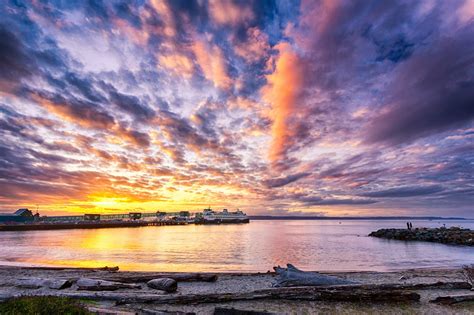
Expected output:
{"points": [[213, 63]]}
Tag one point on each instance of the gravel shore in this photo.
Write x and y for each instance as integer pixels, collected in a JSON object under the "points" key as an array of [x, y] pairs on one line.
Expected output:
{"points": [[239, 283]]}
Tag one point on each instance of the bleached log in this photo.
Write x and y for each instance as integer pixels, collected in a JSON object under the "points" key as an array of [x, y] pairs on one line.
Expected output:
{"points": [[164, 284], [339, 293], [293, 277], [234, 311], [103, 285], [179, 277], [36, 283]]}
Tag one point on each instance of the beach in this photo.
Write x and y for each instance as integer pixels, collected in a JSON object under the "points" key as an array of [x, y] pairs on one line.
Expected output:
{"points": [[431, 283]]}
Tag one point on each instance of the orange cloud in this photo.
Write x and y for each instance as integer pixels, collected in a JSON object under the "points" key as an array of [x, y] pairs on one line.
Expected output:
{"points": [[282, 91], [162, 8], [177, 63], [213, 64]]}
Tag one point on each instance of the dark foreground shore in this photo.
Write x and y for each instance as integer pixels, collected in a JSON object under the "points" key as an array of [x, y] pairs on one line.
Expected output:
{"points": [[418, 291]]}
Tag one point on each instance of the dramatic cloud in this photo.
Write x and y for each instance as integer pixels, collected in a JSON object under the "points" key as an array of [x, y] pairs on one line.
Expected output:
{"points": [[285, 84], [282, 181], [432, 91], [294, 107], [401, 192]]}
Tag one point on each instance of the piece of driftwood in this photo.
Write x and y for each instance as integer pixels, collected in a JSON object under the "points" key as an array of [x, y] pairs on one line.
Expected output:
{"points": [[165, 284], [146, 311], [180, 277], [103, 285], [354, 293], [36, 283], [293, 277], [107, 311], [468, 272], [453, 299], [234, 311]]}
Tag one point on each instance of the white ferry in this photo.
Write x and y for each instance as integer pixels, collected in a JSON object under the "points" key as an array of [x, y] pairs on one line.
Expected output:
{"points": [[209, 216]]}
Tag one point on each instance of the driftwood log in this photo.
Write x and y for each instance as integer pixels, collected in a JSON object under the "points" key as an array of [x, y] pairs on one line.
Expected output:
{"points": [[180, 277], [453, 299], [36, 283], [164, 284], [103, 285], [354, 293], [293, 277], [234, 311]]}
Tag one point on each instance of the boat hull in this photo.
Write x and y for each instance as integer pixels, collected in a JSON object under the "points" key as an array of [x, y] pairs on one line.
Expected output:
{"points": [[223, 221]]}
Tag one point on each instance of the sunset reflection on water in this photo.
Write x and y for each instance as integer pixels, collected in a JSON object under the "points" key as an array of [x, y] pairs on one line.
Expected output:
{"points": [[258, 246]]}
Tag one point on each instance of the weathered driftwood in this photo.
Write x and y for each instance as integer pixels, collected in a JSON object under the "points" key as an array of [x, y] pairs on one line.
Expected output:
{"points": [[468, 272], [164, 284], [103, 285], [453, 299], [180, 277], [146, 311], [36, 283], [293, 277], [368, 293], [234, 311], [440, 285]]}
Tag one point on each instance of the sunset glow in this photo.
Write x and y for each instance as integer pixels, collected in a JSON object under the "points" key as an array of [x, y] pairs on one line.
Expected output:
{"points": [[274, 107]]}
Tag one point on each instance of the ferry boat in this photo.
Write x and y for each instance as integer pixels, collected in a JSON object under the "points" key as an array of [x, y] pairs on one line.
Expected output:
{"points": [[209, 216]]}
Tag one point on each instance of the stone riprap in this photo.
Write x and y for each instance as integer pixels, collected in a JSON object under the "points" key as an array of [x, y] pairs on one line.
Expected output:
{"points": [[453, 235]]}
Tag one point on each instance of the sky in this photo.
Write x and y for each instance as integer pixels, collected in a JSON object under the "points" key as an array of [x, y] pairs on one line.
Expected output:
{"points": [[275, 107]]}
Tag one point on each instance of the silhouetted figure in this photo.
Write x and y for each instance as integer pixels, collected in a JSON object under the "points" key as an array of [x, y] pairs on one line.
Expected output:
{"points": [[408, 225], [411, 226]]}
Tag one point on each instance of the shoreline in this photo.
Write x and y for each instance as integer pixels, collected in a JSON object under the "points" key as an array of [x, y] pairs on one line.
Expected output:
{"points": [[41, 266], [425, 282]]}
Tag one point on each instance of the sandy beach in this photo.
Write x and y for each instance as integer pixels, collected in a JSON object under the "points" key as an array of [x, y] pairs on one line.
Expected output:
{"points": [[235, 284]]}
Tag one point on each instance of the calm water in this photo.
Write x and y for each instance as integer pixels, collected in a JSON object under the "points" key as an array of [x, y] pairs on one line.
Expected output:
{"points": [[312, 245]]}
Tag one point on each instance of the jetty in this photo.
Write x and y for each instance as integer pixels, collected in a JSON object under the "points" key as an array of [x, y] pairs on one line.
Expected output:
{"points": [[452, 235]]}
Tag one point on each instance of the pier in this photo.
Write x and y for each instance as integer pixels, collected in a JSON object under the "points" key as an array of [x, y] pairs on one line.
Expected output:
{"points": [[24, 220]]}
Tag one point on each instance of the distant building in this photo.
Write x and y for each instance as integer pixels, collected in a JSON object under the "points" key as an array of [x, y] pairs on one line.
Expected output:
{"points": [[91, 217], [23, 213], [135, 215], [20, 216]]}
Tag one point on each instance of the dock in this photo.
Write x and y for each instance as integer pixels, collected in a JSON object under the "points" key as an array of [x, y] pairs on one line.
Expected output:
{"points": [[84, 225], [24, 220]]}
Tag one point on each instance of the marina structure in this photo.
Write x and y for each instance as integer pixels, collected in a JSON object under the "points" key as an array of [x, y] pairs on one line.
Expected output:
{"points": [[24, 219]]}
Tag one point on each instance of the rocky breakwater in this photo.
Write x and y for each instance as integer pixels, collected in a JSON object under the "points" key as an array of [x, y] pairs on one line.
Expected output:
{"points": [[453, 235]]}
